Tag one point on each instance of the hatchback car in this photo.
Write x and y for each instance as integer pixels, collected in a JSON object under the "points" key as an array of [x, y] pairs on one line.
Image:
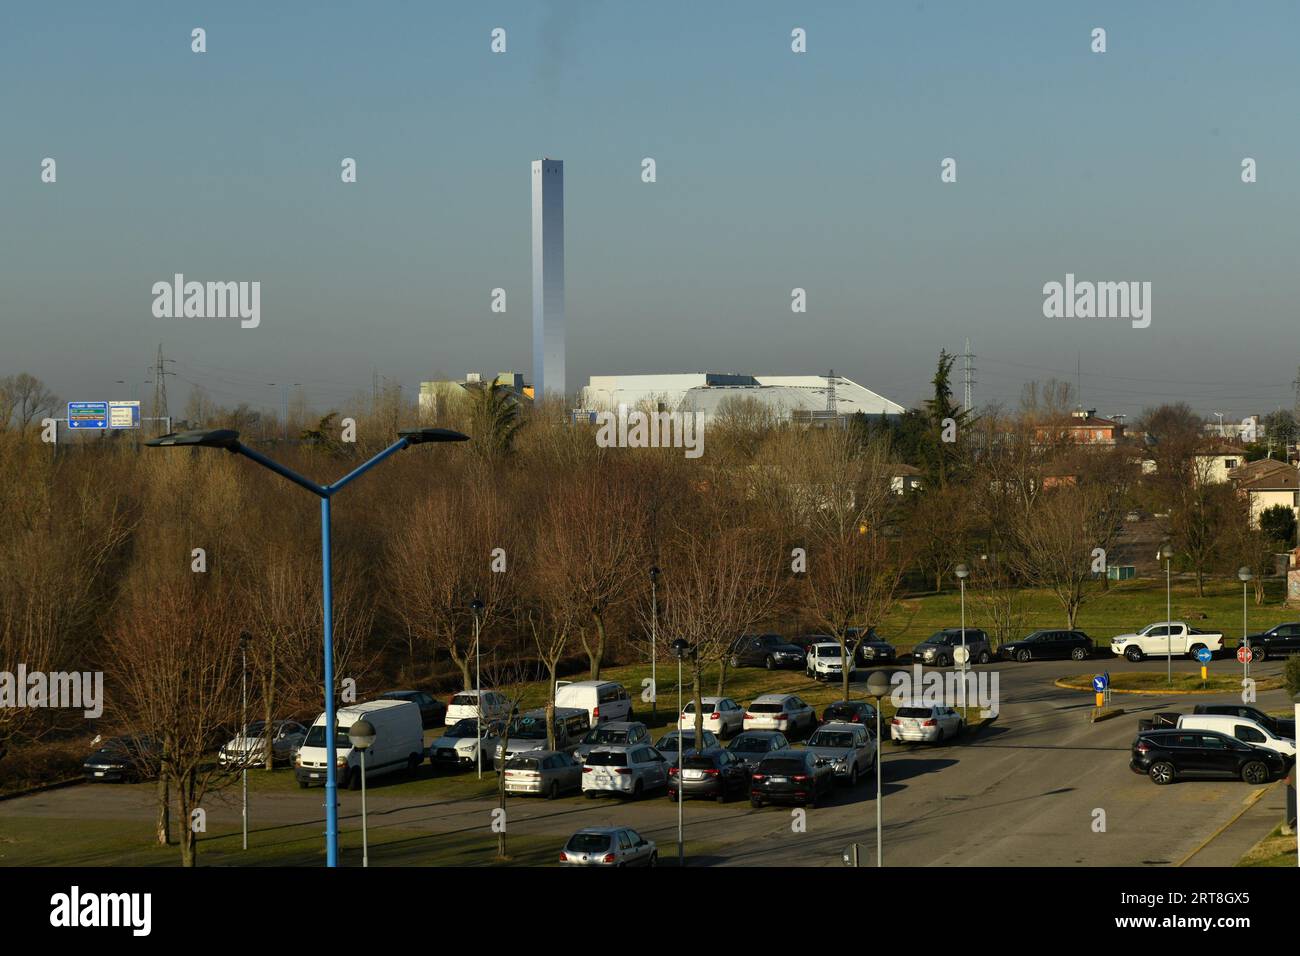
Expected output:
{"points": [[714, 773], [765, 650], [608, 846], [466, 704], [790, 776], [784, 712], [433, 712], [1046, 645], [459, 744], [722, 716], [940, 647], [753, 745], [848, 748], [825, 661], [616, 733], [627, 771], [1168, 755], [851, 712], [548, 772], [925, 723], [249, 750]]}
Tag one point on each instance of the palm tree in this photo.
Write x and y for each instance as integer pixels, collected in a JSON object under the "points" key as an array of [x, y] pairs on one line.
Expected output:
{"points": [[496, 420]]}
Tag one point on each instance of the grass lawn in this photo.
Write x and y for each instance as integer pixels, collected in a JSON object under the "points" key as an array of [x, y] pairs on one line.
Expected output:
{"points": [[1276, 849], [1183, 681]]}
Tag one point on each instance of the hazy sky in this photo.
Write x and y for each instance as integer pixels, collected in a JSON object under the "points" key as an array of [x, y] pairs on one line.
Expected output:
{"points": [[775, 170]]}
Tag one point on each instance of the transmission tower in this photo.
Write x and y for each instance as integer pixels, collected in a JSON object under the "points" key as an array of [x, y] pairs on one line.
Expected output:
{"points": [[831, 408], [160, 374], [969, 374]]}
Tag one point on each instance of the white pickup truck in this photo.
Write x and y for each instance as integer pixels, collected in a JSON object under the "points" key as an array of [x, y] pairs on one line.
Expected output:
{"points": [[1157, 640]]}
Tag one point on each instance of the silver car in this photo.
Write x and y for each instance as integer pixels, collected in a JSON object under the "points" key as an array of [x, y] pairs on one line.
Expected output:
{"points": [[616, 733], [632, 771], [249, 750], [609, 846], [549, 772], [850, 749]]}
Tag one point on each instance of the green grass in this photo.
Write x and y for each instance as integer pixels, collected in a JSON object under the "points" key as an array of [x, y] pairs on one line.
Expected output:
{"points": [[1182, 681], [1276, 849]]}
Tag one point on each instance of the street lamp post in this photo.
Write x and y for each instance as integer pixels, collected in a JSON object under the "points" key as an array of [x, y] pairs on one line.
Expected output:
{"points": [[878, 688], [244, 639], [682, 650], [654, 646], [229, 440], [1166, 555], [962, 573], [476, 606], [362, 735], [1244, 575]]}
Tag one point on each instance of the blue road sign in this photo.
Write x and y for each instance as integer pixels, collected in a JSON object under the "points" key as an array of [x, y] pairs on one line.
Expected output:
{"points": [[1205, 655], [87, 414], [1100, 682]]}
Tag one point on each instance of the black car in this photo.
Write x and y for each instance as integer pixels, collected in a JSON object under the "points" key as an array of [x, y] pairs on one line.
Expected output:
{"points": [[850, 712], [1167, 755], [765, 650], [790, 776], [1276, 642], [752, 746], [122, 760], [1044, 645], [432, 711], [1280, 726], [868, 648], [713, 773]]}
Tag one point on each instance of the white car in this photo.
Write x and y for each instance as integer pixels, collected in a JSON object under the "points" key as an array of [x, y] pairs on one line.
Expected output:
{"points": [[722, 715], [1243, 728], [925, 723], [466, 704], [250, 751], [783, 712], [825, 662], [459, 744], [630, 771]]}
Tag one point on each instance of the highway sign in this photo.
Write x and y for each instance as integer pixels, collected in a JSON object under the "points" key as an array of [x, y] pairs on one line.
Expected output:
{"points": [[87, 414], [123, 414], [1245, 655], [1205, 655], [1100, 682]]}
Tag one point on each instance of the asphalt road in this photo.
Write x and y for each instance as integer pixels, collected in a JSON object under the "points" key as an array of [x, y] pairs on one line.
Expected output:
{"points": [[1024, 790]]}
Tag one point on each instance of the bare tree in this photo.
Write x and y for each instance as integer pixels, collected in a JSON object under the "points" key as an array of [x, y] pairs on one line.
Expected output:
{"points": [[24, 398]]}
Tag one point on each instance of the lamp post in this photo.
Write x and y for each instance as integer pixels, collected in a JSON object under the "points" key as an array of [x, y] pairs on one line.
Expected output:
{"points": [[1166, 555], [244, 639], [1245, 576], [962, 573], [878, 688], [654, 646], [681, 650], [362, 735], [476, 607], [229, 440]]}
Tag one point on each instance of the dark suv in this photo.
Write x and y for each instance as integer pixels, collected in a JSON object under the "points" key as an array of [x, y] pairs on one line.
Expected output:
{"points": [[938, 649], [1276, 642], [1042, 645], [1166, 755], [765, 650], [790, 776], [868, 648]]}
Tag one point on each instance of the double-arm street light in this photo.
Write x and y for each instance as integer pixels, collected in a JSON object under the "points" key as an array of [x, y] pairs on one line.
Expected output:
{"points": [[682, 651], [229, 440]]}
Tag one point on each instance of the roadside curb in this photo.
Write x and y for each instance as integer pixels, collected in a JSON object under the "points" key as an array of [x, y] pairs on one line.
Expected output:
{"points": [[56, 785], [1106, 715], [1062, 683], [1247, 804]]}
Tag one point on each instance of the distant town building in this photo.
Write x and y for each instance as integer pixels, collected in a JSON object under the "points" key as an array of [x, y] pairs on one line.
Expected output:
{"points": [[1266, 483], [446, 396], [1083, 427]]}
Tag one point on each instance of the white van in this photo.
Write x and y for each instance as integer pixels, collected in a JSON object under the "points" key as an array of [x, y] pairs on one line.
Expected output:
{"points": [[604, 700], [399, 743], [1243, 728]]}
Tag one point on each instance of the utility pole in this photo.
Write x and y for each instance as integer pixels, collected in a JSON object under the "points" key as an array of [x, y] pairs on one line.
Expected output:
{"points": [[831, 406], [160, 374], [969, 375]]}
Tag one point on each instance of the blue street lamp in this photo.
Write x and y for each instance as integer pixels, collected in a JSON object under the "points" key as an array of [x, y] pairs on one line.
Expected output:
{"points": [[229, 440]]}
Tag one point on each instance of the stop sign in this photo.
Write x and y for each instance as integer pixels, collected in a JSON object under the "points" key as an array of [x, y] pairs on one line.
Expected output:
{"points": [[1244, 655]]}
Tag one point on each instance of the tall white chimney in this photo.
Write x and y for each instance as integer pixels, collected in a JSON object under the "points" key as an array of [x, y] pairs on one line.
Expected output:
{"points": [[548, 278]]}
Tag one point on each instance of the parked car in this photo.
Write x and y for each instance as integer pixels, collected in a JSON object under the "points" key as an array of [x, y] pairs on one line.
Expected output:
{"points": [[765, 650], [1168, 755], [938, 649], [925, 723], [1157, 640], [1277, 641], [615, 733], [459, 744], [848, 748], [399, 743], [851, 712], [753, 745], [868, 648], [1242, 728], [669, 746], [433, 712], [784, 712], [466, 704], [628, 771], [805, 641], [1043, 645], [609, 846], [790, 776], [825, 662], [722, 716], [603, 700], [1282, 726], [125, 759], [528, 732], [250, 750], [548, 772], [713, 773]]}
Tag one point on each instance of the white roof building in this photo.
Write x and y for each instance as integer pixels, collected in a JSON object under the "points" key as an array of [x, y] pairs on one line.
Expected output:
{"points": [[707, 392]]}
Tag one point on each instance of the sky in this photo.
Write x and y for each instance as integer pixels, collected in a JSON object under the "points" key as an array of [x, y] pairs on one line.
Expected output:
{"points": [[775, 170]]}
